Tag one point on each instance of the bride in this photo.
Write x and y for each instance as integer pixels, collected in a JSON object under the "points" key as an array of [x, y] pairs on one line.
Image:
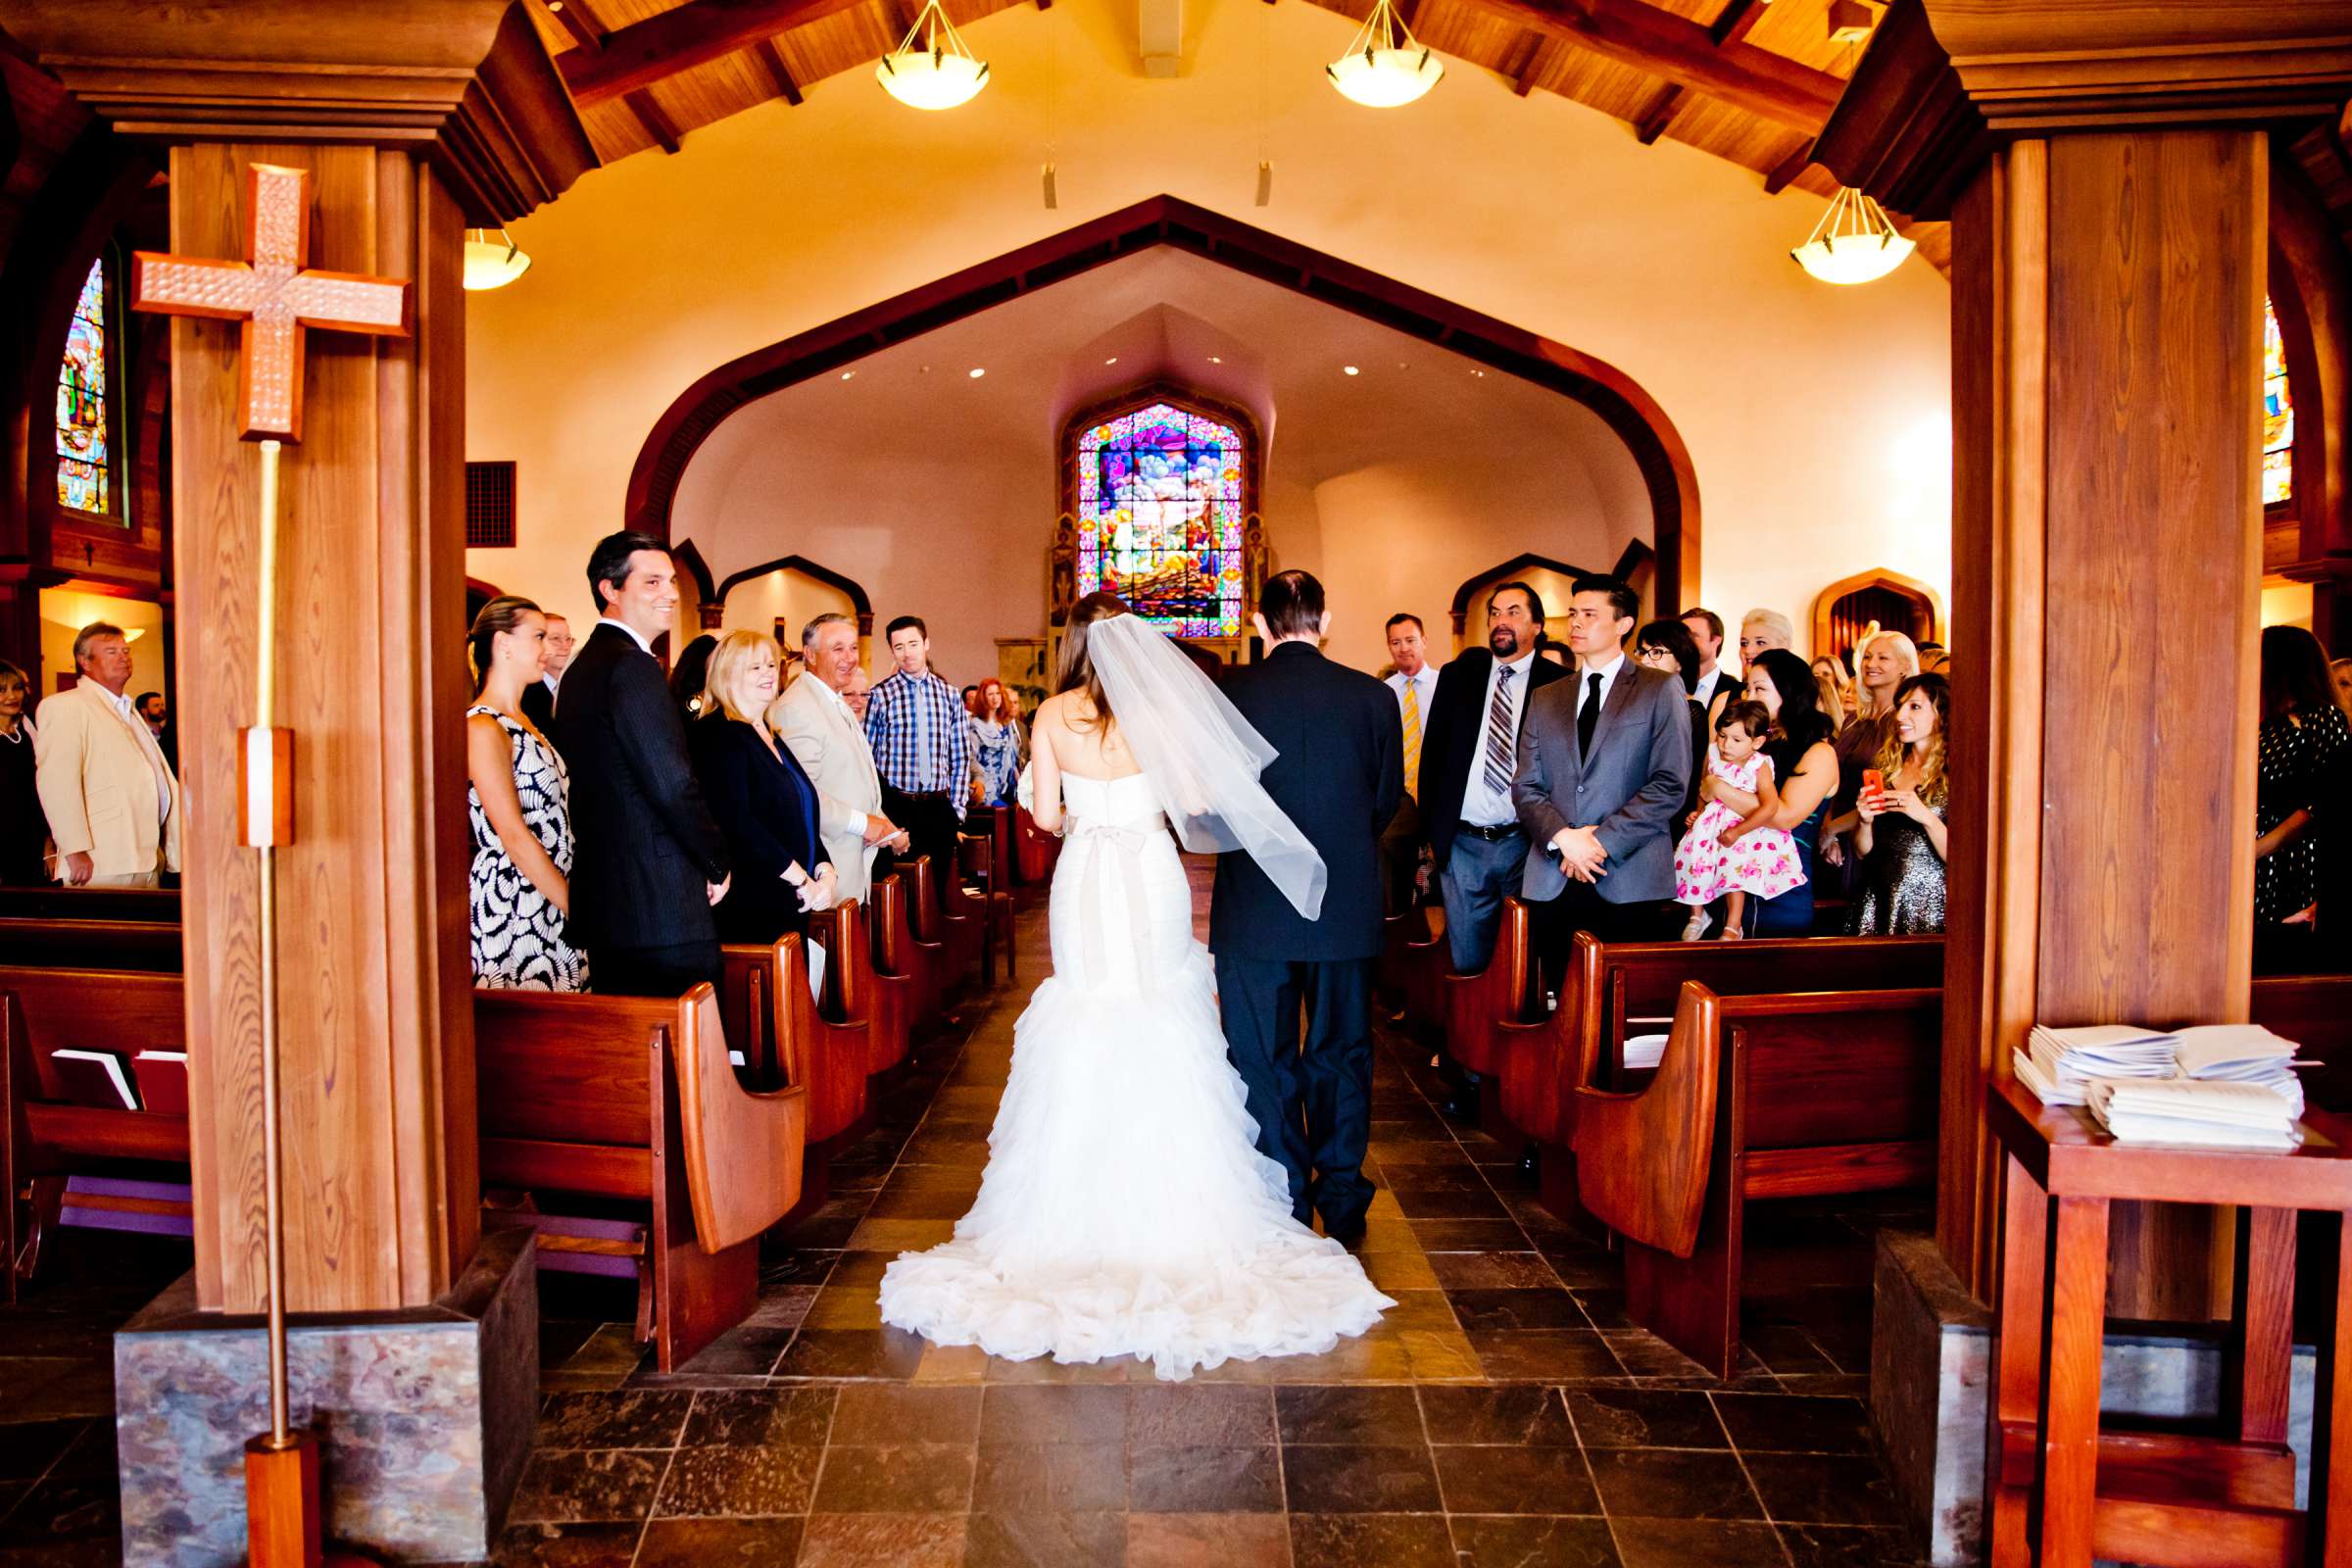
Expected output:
{"points": [[1126, 1210]]}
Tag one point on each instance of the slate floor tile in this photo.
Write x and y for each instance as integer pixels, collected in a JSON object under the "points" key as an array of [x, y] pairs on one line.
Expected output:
{"points": [[1532, 1540], [1673, 1484]]}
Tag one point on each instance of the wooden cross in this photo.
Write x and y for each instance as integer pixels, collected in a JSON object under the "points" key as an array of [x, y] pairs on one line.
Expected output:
{"points": [[273, 295]]}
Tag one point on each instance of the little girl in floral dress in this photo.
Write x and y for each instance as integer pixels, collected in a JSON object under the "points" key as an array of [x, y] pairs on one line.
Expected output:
{"points": [[1727, 855]]}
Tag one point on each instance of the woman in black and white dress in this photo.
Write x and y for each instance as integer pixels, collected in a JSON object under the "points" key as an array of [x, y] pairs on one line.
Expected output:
{"points": [[517, 800]]}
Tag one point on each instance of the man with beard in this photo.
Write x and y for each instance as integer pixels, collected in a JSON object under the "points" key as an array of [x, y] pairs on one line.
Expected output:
{"points": [[1469, 752]]}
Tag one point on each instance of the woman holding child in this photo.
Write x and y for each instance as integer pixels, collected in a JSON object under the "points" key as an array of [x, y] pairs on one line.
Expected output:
{"points": [[1805, 770]]}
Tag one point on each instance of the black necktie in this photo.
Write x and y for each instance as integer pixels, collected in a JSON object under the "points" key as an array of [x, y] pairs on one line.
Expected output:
{"points": [[1587, 716]]}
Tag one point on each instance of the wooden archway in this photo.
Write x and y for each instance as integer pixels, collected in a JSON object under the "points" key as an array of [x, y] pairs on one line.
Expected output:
{"points": [[1459, 610], [861, 604], [1834, 631], [1620, 401], [708, 602]]}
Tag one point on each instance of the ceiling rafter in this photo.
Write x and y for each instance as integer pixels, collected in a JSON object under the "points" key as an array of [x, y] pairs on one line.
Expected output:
{"points": [[1784, 173], [693, 34], [1542, 54], [1736, 20], [654, 118], [772, 58], [1774, 87], [579, 18]]}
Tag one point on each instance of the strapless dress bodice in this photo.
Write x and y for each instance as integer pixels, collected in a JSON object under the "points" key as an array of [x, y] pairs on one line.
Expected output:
{"points": [[1109, 803]]}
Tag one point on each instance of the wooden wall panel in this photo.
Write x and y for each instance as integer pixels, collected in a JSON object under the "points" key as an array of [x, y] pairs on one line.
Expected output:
{"points": [[2157, 270], [375, 1040]]}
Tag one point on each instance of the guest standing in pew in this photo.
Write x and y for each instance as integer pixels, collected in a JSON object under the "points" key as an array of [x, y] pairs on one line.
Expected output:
{"points": [[814, 718], [651, 861], [1603, 767], [114, 806], [855, 695], [1467, 756], [539, 697], [24, 830], [1404, 847], [1901, 838], [1726, 855], [915, 723], [1667, 645], [1885, 663], [1706, 631], [517, 800], [1760, 632], [992, 739], [2302, 753], [1804, 766], [689, 675], [763, 798]]}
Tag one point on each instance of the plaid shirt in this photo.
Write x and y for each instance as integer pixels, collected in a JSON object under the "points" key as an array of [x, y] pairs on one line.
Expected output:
{"points": [[916, 726]]}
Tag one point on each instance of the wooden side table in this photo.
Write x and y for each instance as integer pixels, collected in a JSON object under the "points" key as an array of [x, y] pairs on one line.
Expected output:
{"points": [[2060, 1491]]}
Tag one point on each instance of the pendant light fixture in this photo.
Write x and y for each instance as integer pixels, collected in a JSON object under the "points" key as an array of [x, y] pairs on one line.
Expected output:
{"points": [[1385, 66], [492, 259], [1853, 244], [931, 67]]}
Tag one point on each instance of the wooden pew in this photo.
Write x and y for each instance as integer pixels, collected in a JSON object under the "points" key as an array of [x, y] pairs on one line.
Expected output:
{"points": [[51, 1139], [2314, 1011], [1508, 990], [1414, 961], [786, 1038], [634, 1098], [1035, 851], [986, 856], [939, 919], [906, 979], [149, 946], [89, 904], [1776, 1096]]}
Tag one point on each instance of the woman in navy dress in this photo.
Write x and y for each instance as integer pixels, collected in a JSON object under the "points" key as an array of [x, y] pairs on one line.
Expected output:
{"points": [[761, 797]]}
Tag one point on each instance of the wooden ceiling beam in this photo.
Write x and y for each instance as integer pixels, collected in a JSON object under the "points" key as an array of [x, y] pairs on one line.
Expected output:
{"points": [[578, 18], [1631, 32], [694, 34], [1787, 168], [1651, 123], [1738, 21], [653, 117], [1536, 62], [772, 58]]}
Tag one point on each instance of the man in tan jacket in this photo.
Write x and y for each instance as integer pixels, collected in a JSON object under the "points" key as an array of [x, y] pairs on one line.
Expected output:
{"points": [[114, 806], [812, 719]]}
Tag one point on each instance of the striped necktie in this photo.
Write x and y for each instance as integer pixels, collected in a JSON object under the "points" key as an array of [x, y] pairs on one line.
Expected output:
{"points": [[1500, 739], [1412, 739]]}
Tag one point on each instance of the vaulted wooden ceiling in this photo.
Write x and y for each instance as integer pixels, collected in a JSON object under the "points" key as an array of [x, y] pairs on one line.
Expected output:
{"points": [[1750, 81]]}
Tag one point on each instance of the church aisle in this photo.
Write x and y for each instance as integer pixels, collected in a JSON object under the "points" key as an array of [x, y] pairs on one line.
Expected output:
{"points": [[1503, 1414]]}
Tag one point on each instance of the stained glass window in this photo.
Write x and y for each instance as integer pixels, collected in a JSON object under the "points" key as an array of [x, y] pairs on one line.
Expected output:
{"points": [[2278, 415], [1159, 510], [82, 451]]}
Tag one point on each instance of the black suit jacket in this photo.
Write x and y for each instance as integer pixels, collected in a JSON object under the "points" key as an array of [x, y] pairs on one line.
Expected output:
{"points": [[766, 807], [539, 707], [1458, 717], [645, 842], [1340, 776]]}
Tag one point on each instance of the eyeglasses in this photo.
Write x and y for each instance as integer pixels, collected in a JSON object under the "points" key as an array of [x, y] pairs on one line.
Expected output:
{"points": [[1657, 657]]}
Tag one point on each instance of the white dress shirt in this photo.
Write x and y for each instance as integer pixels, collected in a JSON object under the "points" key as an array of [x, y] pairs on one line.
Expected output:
{"points": [[1608, 683], [1715, 680], [136, 723], [1425, 687], [1484, 806]]}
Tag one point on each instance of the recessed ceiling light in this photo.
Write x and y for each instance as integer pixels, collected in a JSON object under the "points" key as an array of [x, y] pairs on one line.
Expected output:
{"points": [[846, 374], [1113, 359], [977, 372], [1216, 359], [1348, 369], [1478, 372]]}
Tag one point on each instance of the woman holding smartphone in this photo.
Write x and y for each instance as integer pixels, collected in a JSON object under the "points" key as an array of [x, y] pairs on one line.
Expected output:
{"points": [[1901, 836]]}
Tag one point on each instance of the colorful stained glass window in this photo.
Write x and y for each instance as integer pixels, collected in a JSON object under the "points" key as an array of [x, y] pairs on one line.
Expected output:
{"points": [[1160, 518], [82, 451], [2278, 415]]}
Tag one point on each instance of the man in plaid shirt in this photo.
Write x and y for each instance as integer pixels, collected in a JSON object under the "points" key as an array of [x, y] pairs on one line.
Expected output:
{"points": [[914, 722]]}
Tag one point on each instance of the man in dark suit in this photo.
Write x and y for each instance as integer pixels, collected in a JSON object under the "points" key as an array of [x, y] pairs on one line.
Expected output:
{"points": [[1467, 758], [1339, 776], [649, 862], [1603, 767], [539, 697]]}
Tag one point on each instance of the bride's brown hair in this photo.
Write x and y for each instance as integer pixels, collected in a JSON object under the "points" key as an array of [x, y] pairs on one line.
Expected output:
{"points": [[1077, 668]]}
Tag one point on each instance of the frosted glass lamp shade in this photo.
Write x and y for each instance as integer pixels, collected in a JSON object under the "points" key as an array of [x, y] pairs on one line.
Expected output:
{"points": [[931, 79], [492, 259], [1853, 258], [1385, 79]]}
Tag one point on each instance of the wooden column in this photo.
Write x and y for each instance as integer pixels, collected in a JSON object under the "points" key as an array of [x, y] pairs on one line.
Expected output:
{"points": [[2106, 174], [415, 119]]}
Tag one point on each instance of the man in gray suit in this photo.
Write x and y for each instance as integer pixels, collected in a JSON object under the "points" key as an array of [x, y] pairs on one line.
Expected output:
{"points": [[1604, 762]]}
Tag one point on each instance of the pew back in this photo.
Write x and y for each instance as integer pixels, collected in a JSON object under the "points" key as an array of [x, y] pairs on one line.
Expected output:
{"points": [[61, 903], [150, 947]]}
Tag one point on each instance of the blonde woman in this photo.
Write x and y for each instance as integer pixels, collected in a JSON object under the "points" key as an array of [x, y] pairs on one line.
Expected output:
{"points": [[761, 797], [1883, 663]]}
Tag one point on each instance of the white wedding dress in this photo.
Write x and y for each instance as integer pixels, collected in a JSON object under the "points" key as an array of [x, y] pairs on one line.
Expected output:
{"points": [[1126, 1210]]}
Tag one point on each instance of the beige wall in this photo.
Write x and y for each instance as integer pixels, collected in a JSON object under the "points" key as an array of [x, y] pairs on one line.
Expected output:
{"points": [[1817, 418], [66, 610], [757, 604]]}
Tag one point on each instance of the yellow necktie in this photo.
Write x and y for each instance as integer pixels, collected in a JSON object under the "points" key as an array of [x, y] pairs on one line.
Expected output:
{"points": [[1412, 740]]}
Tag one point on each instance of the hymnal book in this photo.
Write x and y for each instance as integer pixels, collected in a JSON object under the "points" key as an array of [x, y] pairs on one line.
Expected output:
{"points": [[1643, 1052], [2242, 1053], [2195, 1112], [163, 1077], [2057, 1063], [94, 1078]]}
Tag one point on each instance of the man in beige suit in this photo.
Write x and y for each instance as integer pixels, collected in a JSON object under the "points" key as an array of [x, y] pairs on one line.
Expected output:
{"points": [[814, 720], [114, 806]]}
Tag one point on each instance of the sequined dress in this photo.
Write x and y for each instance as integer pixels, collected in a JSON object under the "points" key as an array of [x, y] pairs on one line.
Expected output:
{"points": [[1902, 881]]}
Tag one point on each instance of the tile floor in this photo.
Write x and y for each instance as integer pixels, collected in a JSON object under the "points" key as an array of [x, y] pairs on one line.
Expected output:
{"points": [[1504, 1414]]}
